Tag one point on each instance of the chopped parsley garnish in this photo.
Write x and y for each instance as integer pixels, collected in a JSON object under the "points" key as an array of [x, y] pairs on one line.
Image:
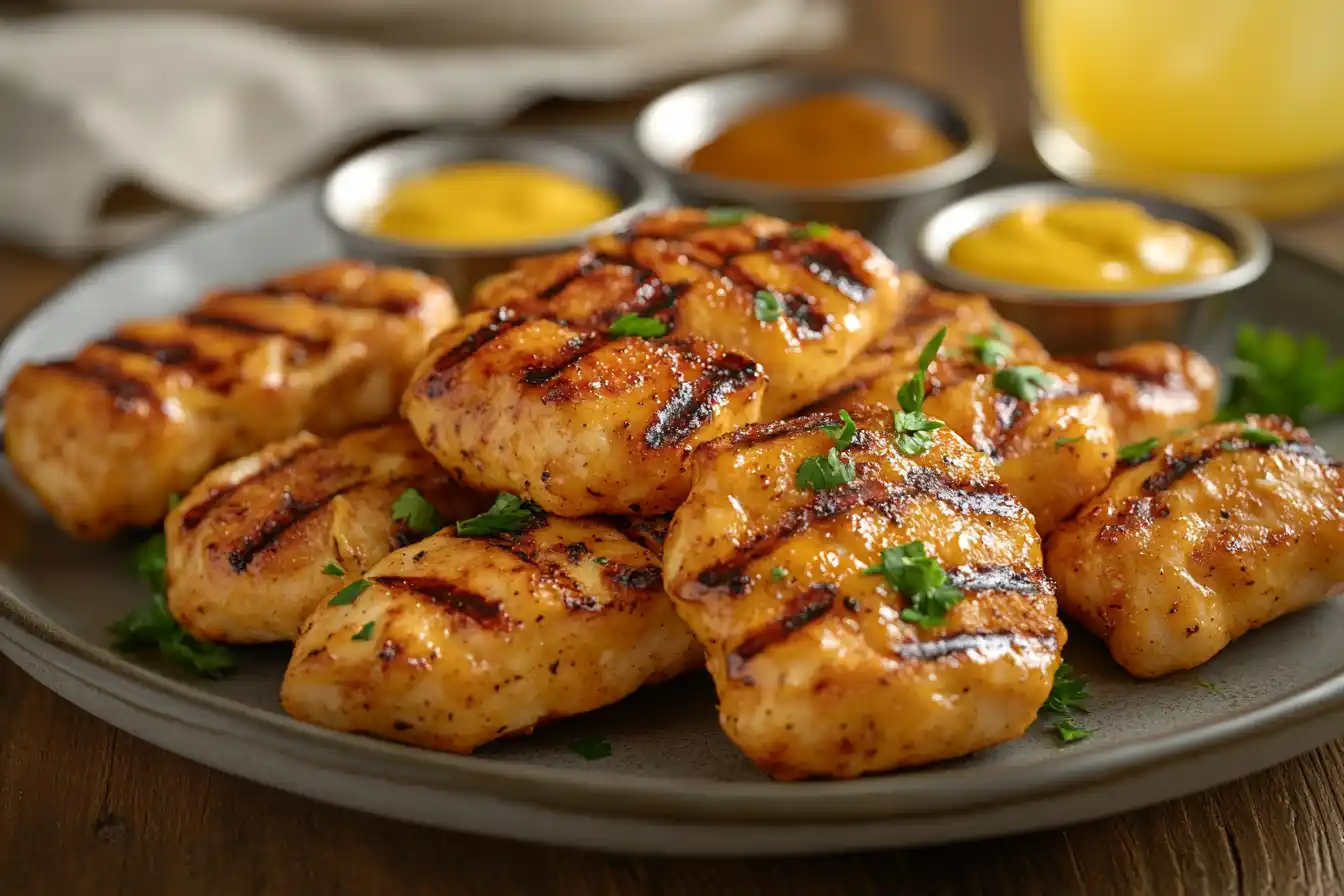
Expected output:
{"points": [[1228, 445], [1066, 440], [813, 229], [151, 627], [1138, 452], [726, 216], [1257, 436], [910, 424], [824, 471], [635, 325], [420, 516], [842, 432], [767, 306], [348, 594], [173, 500], [509, 513], [1209, 686], [778, 574], [601, 561], [1068, 731], [365, 632], [332, 569], [592, 748], [1068, 693], [920, 580], [990, 350], [1274, 373], [1027, 382]]}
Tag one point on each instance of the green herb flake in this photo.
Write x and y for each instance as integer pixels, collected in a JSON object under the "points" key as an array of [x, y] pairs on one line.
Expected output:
{"points": [[1069, 731], [348, 594], [778, 574], [591, 748], [1027, 382], [843, 432], [767, 306], [824, 471], [1274, 373], [726, 216], [1228, 445], [990, 351], [420, 516], [910, 425], [332, 569], [1138, 452], [150, 627], [365, 632], [812, 229], [601, 561], [173, 500], [1066, 440], [509, 513], [921, 581], [1257, 436], [635, 325], [1068, 692], [1210, 687]]}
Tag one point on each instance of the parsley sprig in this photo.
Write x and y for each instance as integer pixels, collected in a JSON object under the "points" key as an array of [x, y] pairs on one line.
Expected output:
{"points": [[509, 513], [1026, 382], [910, 424], [1274, 373], [1257, 436], [991, 350], [150, 627], [812, 229], [767, 306], [1138, 452], [726, 216], [420, 516], [636, 325], [824, 471], [920, 580], [1068, 693], [843, 432]]}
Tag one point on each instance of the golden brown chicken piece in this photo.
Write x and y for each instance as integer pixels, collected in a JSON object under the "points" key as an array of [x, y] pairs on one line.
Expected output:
{"points": [[105, 437], [251, 549], [580, 423], [1152, 388], [1221, 531], [459, 641], [1052, 442], [820, 669], [803, 301]]}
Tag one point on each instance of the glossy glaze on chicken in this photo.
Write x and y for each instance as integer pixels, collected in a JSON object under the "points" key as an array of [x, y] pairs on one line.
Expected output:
{"points": [[104, 438], [260, 541], [817, 671], [459, 641], [1219, 532], [801, 300], [1151, 388]]}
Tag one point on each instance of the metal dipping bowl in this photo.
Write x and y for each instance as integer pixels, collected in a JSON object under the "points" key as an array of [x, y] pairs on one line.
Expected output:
{"points": [[354, 191], [1085, 321], [676, 124]]}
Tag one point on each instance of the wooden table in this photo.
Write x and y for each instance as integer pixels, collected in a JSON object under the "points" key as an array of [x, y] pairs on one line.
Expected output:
{"points": [[85, 808]]}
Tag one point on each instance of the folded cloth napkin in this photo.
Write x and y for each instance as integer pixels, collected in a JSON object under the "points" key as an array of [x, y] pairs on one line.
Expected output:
{"points": [[213, 114]]}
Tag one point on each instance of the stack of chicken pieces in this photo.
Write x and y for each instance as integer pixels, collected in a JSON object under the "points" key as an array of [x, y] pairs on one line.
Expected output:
{"points": [[751, 443]]}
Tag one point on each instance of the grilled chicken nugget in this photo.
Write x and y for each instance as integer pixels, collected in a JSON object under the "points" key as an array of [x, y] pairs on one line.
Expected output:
{"points": [[456, 642], [824, 665]]}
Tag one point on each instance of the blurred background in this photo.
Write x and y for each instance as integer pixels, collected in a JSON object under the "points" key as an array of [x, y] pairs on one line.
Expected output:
{"points": [[119, 118]]}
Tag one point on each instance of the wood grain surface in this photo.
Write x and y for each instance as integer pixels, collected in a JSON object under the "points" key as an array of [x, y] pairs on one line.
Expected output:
{"points": [[85, 808]]}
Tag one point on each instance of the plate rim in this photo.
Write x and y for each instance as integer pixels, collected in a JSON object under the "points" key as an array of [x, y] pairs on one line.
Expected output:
{"points": [[898, 794]]}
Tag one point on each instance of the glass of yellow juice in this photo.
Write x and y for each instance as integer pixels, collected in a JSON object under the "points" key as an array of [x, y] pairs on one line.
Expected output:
{"points": [[1222, 102]]}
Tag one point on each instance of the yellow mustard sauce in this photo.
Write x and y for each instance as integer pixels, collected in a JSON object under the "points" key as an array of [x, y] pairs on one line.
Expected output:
{"points": [[1090, 244], [490, 203]]}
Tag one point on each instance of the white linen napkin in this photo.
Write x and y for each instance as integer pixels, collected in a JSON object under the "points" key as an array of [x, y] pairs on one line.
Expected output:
{"points": [[213, 114]]}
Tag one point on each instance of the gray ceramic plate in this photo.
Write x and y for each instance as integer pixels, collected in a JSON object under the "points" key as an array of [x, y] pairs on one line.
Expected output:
{"points": [[673, 784]]}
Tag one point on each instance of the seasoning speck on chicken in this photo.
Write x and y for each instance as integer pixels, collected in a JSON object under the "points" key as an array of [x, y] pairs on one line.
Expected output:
{"points": [[580, 423], [801, 301], [262, 540], [474, 639], [831, 668], [1220, 531]]}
